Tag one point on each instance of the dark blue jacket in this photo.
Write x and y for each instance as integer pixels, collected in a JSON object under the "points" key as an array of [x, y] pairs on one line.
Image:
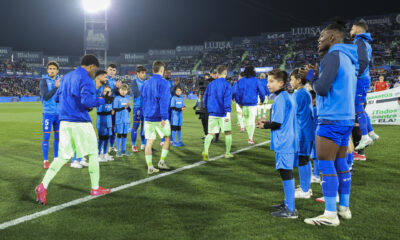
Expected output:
{"points": [[248, 90], [156, 99], [336, 85], [364, 53], [218, 98], [76, 96], [137, 87]]}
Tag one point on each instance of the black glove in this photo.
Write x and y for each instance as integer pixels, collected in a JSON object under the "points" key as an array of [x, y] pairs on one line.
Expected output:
{"points": [[109, 99]]}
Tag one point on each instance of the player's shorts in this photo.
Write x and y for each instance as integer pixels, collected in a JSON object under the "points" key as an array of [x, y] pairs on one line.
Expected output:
{"points": [[78, 137], [215, 124], [138, 114], [362, 90], [238, 108], [176, 118], [151, 129], [285, 160], [338, 133], [104, 131], [49, 121], [123, 128], [250, 114], [305, 148]]}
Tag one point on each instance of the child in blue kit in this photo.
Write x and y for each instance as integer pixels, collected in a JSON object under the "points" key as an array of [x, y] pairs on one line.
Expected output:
{"points": [[177, 106], [121, 109], [315, 175], [283, 139], [104, 127]]}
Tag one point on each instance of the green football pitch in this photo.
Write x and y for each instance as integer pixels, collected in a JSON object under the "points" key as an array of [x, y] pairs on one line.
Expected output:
{"points": [[222, 199]]}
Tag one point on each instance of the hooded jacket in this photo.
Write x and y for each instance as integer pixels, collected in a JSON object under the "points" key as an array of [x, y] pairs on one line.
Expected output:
{"points": [[48, 92], [218, 98], [156, 99], [248, 90], [364, 53]]}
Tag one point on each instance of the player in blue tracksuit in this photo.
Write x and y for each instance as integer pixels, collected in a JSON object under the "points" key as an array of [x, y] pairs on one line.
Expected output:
{"points": [[177, 107], [262, 106], [138, 119], [248, 90], [362, 39], [283, 139], [336, 91], [76, 96], [114, 85], [218, 101], [315, 176], [121, 109], [48, 88], [305, 133]]}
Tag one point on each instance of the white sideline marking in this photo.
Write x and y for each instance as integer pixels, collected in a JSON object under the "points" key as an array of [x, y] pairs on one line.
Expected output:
{"points": [[122, 187]]}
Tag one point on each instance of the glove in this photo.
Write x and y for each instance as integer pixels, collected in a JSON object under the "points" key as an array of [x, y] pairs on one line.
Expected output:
{"points": [[109, 99]]}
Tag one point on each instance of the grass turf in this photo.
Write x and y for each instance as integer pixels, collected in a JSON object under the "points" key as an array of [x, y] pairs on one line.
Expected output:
{"points": [[225, 199]]}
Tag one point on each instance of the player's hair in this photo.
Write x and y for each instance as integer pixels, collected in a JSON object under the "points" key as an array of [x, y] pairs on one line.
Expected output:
{"points": [[124, 87], [206, 74], [100, 72], [90, 59], [241, 74], [279, 74], [313, 94], [221, 69], [107, 87], [296, 74], [262, 75], [338, 25], [141, 68], [112, 65], [249, 72], [157, 65], [361, 23], [177, 87], [53, 63]]}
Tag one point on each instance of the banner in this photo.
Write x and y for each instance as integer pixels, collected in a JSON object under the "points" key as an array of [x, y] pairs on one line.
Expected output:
{"points": [[310, 31], [96, 39], [31, 57], [162, 52], [375, 20], [134, 57], [276, 35], [217, 45], [62, 60], [189, 49], [5, 52], [242, 41], [383, 107]]}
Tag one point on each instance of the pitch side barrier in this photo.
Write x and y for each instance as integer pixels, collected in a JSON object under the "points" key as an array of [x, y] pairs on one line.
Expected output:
{"points": [[19, 99]]}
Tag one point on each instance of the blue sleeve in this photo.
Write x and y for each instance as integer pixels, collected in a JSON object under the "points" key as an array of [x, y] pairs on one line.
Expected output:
{"points": [[239, 95], [362, 53], [228, 98], [278, 115], [300, 102], [165, 98], [58, 93], [44, 90], [261, 91], [115, 104], [183, 103], [88, 94], [329, 68], [173, 102], [135, 89]]}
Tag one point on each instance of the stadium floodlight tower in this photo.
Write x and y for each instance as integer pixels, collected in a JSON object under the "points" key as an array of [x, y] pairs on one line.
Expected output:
{"points": [[95, 29]]}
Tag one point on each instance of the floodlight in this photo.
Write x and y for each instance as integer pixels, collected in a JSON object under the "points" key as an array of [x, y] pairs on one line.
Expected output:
{"points": [[92, 6]]}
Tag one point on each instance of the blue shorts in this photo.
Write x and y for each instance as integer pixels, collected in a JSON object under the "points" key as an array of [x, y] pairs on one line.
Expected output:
{"points": [[337, 133], [104, 131], [361, 90], [49, 121], [305, 148], [123, 128], [285, 160]]}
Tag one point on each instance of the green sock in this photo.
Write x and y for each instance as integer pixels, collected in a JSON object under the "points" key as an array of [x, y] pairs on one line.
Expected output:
{"points": [[207, 143], [164, 154], [149, 160], [53, 170], [228, 143], [94, 170], [250, 131]]}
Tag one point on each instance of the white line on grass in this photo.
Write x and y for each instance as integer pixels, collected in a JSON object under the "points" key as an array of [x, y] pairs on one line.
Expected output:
{"points": [[122, 187]]}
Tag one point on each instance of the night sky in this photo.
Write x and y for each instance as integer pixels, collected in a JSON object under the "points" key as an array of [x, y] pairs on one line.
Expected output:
{"points": [[56, 26]]}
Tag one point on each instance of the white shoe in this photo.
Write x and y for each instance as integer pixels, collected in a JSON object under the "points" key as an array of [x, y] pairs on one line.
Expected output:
{"points": [[344, 212], [152, 170], [108, 157], [162, 165], [323, 220], [142, 147], [84, 163], [298, 193], [112, 150], [75, 164], [364, 142], [315, 179], [373, 136], [102, 158]]}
